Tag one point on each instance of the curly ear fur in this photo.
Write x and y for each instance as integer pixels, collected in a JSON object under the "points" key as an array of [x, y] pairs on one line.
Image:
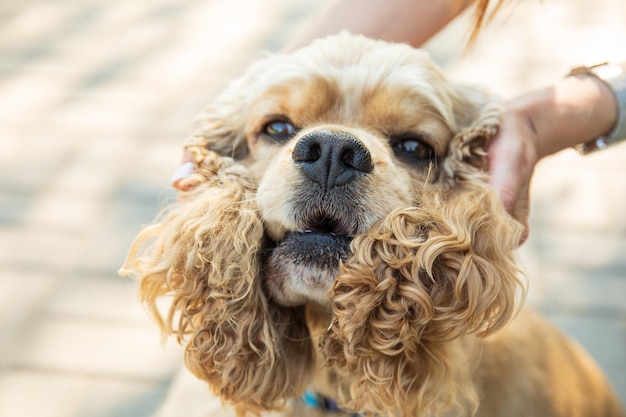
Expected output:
{"points": [[478, 117], [423, 278], [205, 255]]}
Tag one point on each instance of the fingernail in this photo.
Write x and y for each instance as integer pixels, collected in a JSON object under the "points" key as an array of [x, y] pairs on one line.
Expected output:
{"points": [[183, 171]]}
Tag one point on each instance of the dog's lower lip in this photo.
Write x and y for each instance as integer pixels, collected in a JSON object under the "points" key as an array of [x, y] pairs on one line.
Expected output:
{"points": [[315, 248]]}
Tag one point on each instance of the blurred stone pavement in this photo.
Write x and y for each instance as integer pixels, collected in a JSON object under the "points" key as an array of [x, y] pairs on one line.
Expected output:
{"points": [[95, 97]]}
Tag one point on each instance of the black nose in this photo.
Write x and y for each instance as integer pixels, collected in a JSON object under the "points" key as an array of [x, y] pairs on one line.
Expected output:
{"points": [[331, 158]]}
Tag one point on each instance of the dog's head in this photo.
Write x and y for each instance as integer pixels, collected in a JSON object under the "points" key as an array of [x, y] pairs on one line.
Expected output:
{"points": [[349, 175]]}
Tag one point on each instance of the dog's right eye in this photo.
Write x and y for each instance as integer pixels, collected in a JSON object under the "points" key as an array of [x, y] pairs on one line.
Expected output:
{"points": [[279, 130]]}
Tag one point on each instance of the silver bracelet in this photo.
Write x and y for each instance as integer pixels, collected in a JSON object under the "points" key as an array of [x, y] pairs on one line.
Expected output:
{"points": [[615, 77]]}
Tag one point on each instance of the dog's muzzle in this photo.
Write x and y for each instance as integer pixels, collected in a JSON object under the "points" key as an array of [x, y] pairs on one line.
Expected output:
{"points": [[302, 267]]}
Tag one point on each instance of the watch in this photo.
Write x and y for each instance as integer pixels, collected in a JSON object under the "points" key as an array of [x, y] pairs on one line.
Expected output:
{"points": [[614, 76]]}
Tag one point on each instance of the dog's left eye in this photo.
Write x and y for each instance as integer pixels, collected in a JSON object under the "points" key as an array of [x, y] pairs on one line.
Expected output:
{"points": [[279, 130], [413, 148]]}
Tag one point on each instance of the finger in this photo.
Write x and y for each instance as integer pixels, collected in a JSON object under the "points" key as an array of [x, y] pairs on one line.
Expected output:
{"points": [[503, 177], [507, 191], [183, 171], [522, 211]]}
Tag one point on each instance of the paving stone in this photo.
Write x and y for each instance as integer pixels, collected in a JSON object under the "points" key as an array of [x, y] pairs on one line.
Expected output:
{"points": [[38, 249], [157, 162], [14, 203], [604, 337], [102, 296], [579, 290], [66, 211], [96, 346], [33, 393], [96, 165], [33, 159], [581, 193], [131, 206], [29, 93], [21, 295], [586, 250]]}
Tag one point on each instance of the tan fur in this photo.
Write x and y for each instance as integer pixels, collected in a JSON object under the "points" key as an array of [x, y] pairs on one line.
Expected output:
{"points": [[416, 320]]}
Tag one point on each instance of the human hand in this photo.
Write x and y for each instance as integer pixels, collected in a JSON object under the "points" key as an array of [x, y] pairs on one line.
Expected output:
{"points": [[512, 157], [184, 170], [539, 123], [186, 176]]}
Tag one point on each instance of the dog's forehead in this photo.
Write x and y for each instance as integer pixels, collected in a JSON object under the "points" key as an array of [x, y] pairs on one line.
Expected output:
{"points": [[354, 70], [386, 85]]}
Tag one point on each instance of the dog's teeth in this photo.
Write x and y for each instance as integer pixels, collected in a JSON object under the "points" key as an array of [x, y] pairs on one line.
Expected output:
{"points": [[308, 231]]}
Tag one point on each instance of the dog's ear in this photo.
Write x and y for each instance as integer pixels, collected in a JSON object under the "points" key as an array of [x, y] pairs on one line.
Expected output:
{"points": [[221, 126], [477, 115], [204, 257], [416, 283]]}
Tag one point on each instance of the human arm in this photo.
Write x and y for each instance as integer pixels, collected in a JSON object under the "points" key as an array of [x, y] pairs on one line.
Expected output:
{"points": [[573, 110], [409, 21]]}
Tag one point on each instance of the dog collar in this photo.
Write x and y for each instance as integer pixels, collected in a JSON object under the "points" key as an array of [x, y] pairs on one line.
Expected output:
{"points": [[320, 402]]}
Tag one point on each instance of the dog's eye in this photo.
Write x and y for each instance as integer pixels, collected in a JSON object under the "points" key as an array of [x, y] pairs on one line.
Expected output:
{"points": [[413, 148], [279, 130]]}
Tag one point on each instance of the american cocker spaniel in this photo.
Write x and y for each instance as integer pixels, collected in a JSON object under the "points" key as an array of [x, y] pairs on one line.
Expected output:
{"points": [[338, 241]]}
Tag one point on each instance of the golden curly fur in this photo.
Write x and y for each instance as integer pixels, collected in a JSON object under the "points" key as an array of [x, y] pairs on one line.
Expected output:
{"points": [[396, 300]]}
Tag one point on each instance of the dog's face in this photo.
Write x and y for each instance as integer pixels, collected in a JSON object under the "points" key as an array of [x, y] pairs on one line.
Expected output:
{"points": [[333, 156], [325, 186], [337, 136], [349, 175]]}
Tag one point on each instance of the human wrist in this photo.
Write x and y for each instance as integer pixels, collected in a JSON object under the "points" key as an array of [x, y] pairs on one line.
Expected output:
{"points": [[573, 110], [527, 111], [613, 78]]}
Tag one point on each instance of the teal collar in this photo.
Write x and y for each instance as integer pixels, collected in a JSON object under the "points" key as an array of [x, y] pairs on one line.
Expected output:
{"points": [[315, 400]]}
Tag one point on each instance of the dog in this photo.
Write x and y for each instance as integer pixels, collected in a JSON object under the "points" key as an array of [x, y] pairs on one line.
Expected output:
{"points": [[338, 242]]}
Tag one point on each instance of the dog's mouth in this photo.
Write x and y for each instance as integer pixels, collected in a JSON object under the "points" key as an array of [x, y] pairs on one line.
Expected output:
{"points": [[326, 224], [301, 267], [321, 243]]}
